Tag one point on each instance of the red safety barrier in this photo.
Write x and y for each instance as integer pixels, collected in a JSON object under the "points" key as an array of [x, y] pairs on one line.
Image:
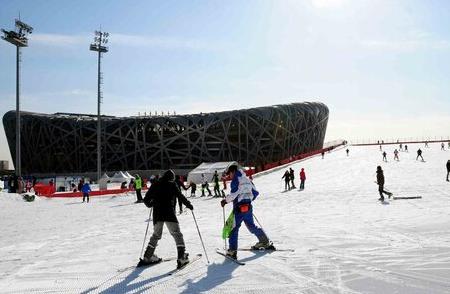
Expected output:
{"points": [[49, 191], [297, 157], [43, 190]]}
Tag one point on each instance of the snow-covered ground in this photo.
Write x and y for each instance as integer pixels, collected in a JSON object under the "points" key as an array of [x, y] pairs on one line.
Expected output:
{"points": [[345, 241]]}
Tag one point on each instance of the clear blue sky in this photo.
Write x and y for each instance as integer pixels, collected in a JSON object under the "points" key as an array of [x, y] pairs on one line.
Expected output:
{"points": [[382, 67]]}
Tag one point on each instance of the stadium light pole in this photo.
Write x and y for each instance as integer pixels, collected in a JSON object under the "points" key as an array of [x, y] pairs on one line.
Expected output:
{"points": [[19, 39], [100, 39]]}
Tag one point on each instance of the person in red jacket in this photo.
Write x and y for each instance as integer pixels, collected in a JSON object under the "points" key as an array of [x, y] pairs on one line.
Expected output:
{"points": [[302, 179]]}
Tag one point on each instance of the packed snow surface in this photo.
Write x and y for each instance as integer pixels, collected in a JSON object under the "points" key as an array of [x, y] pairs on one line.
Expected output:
{"points": [[345, 240]]}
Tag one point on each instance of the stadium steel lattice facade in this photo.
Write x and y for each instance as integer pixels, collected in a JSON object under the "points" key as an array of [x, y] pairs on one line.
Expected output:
{"points": [[66, 143]]}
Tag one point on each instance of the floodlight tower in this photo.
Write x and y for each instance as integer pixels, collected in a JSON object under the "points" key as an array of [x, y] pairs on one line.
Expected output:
{"points": [[19, 39], [100, 39]]}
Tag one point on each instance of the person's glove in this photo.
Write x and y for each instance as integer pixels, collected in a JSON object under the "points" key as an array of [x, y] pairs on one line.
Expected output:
{"points": [[149, 204], [190, 206], [223, 202]]}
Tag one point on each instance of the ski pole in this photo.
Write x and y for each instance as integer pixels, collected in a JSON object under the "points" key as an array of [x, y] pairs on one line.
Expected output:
{"points": [[259, 224], [146, 230], [224, 240], [200, 235]]}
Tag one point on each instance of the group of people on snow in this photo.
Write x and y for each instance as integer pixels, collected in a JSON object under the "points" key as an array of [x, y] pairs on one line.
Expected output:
{"points": [[289, 176], [380, 175]]}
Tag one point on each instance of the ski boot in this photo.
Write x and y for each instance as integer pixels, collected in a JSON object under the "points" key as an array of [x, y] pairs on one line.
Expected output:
{"points": [[231, 253], [263, 244], [183, 257], [381, 199], [149, 257], [390, 195]]}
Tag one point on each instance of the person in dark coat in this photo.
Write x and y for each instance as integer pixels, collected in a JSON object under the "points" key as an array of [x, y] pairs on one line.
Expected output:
{"points": [[287, 178], [292, 176], [384, 156], [380, 182], [180, 186], [193, 188], [162, 196], [216, 184], [448, 169], [419, 154], [80, 184]]}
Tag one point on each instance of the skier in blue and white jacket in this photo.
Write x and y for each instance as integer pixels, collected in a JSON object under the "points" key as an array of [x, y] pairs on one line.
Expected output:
{"points": [[242, 193]]}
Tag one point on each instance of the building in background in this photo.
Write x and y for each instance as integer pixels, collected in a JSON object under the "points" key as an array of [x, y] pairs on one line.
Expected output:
{"points": [[66, 143]]}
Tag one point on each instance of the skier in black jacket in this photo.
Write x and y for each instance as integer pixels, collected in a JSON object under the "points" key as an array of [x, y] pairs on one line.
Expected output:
{"points": [[162, 196], [287, 179], [419, 154], [180, 185], [448, 169], [380, 182], [292, 176]]}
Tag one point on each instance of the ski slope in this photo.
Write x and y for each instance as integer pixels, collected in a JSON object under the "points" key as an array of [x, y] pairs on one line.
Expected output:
{"points": [[345, 241]]}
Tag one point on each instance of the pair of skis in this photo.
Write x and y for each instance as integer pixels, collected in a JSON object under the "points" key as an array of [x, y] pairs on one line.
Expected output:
{"points": [[221, 252], [191, 261]]}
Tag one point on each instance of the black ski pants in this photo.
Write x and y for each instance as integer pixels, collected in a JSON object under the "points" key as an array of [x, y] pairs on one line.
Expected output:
{"points": [[287, 186], [139, 195], [382, 191], [86, 195]]}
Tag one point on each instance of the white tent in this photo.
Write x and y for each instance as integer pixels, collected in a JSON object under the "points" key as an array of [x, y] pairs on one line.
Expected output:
{"points": [[105, 177], [127, 174], [208, 169], [119, 177], [103, 182]]}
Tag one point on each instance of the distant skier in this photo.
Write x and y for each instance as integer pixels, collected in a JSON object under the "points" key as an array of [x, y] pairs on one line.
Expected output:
{"points": [[216, 184], [287, 178], [193, 189], [448, 145], [323, 154], [380, 182], [419, 154], [384, 156], [406, 148], [381, 148], [224, 182], [426, 143], [448, 169], [442, 146], [347, 151], [242, 193], [205, 185], [138, 188], [86, 189], [180, 185], [396, 155], [292, 176], [401, 147], [161, 196], [302, 179]]}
